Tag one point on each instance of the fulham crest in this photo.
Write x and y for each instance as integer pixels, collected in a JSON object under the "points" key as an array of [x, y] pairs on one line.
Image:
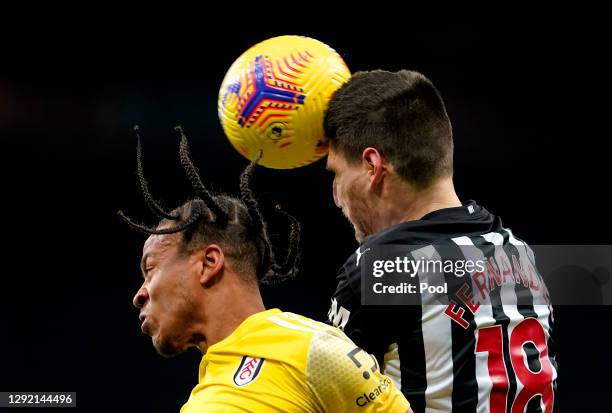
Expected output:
{"points": [[248, 370]]}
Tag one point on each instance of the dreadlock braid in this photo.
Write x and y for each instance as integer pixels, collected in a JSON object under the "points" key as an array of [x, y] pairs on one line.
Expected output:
{"points": [[205, 219], [190, 221], [192, 173], [246, 194], [144, 186], [294, 244], [258, 225]]}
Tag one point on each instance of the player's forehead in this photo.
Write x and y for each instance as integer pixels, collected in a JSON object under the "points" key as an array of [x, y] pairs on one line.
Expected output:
{"points": [[157, 245]]}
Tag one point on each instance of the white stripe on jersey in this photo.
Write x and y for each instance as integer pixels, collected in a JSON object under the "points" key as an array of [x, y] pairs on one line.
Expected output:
{"points": [[289, 324], [436, 327], [482, 318], [305, 321], [507, 294]]}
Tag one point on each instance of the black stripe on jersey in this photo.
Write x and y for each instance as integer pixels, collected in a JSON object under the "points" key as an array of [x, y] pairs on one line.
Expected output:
{"points": [[465, 386], [523, 294], [525, 303], [411, 351]]}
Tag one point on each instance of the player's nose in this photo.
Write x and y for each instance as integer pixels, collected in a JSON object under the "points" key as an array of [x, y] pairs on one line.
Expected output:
{"points": [[140, 298]]}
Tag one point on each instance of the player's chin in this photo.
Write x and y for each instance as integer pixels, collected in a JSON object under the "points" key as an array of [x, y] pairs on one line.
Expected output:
{"points": [[359, 236], [167, 347], [358, 233]]}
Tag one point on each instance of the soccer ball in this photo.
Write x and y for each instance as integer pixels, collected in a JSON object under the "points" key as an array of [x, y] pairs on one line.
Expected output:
{"points": [[274, 96]]}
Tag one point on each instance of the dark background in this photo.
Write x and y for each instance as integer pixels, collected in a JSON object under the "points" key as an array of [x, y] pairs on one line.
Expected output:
{"points": [[526, 96]]}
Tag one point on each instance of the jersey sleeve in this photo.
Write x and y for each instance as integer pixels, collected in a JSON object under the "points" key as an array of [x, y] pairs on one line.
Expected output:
{"points": [[374, 328], [370, 327], [344, 378]]}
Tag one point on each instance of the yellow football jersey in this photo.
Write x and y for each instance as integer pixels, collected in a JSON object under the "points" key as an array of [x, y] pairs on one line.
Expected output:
{"points": [[282, 362]]}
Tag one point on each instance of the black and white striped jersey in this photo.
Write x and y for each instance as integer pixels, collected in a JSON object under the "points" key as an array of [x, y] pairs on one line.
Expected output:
{"points": [[488, 348]]}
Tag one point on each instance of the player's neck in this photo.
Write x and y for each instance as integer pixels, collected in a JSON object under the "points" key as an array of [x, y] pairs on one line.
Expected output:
{"points": [[230, 310], [409, 204]]}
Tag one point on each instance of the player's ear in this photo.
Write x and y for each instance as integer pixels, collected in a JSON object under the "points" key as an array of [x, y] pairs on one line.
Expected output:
{"points": [[375, 164], [213, 261]]}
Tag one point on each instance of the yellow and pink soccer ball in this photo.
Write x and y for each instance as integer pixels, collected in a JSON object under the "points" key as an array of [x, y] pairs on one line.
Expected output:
{"points": [[274, 96]]}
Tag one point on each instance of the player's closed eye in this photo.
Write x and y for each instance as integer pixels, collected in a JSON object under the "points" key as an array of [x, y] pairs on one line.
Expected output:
{"points": [[146, 271]]}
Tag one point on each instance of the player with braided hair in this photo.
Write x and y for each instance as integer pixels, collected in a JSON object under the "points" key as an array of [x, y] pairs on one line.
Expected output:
{"points": [[202, 265], [207, 213]]}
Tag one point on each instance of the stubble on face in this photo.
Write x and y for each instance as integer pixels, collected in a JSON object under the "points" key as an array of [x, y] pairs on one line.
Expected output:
{"points": [[356, 214], [349, 193], [177, 335]]}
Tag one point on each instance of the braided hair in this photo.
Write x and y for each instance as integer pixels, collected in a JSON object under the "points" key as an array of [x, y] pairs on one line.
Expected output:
{"points": [[237, 224]]}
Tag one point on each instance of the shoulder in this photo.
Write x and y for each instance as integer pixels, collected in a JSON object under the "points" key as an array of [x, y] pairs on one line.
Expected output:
{"points": [[350, 272], [292, 333], [294, 324], [349, 275], [322, 345], [340, 375]]}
